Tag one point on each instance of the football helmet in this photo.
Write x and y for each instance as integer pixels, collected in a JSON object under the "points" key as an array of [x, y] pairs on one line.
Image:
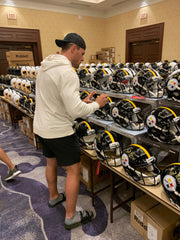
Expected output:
{"points": [[18, 83], [107, 147], [170, 179], [127, 115], [84, 94], [140, 165], [149, 83], [6, 92], [28, 87], [13, 82], [122, 81], [100, 79], [138, 66], [33, 73], [23, 72], [104, 113], [152, 65], [86, 134], [84, 77], [163, 68], [173, 86], [164, 125], [29, 105]]}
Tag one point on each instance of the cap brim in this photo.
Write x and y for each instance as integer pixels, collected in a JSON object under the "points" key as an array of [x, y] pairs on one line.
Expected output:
{"points": [[60, 43]]}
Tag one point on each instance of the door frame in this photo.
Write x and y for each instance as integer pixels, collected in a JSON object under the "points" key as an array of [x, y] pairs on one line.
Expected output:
{"points": [[150, 32], [21, 35]]}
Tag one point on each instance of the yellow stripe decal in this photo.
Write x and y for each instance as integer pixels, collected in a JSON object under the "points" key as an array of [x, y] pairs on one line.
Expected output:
{"points": [[86, 70], [153, 73], [130, 102], [104, 71], [170, 111], [125, 71], [86, 92], [110, 135], [137, 145], [109, 99], [25, 97], [174, 164], [87, 124]]}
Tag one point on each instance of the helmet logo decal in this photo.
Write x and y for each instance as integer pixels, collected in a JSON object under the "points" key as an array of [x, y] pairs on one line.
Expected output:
{"points": [[169, 183], [125, 160], [151, 121], [172, 84], [115, 112]]}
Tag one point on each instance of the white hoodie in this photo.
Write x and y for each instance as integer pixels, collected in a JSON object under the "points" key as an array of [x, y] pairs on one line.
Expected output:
{"points": [[58, 101]]}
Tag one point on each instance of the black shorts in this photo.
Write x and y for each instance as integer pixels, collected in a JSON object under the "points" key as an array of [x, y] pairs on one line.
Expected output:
{"points": [[66, 150]]}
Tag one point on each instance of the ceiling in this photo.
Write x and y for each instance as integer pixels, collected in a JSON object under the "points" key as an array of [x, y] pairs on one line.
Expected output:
{"points": [[93, 8]]}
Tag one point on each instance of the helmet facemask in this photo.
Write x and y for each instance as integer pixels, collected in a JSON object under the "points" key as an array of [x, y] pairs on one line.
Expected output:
{"points": [[140, 166]]}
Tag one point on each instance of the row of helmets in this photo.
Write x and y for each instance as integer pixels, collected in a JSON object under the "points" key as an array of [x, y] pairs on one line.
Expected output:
{"points": [[138, 163], [162, 123], [147, 81], [24, 84], [24, 71], [25, 102]]}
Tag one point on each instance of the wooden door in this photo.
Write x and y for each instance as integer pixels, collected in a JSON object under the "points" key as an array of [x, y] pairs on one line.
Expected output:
{"points": [[144, 44], [18, 39], [144, 51]]}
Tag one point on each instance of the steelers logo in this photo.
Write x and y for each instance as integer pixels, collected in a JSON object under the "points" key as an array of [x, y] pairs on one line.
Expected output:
{"points": [[151, 121], [115, 112], [135, 81], [172, 84], [125, 160], [169, 183]]}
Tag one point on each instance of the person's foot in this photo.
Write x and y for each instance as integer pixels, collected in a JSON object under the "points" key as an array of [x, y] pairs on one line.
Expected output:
{"points": [[79, 218], [13, 173], [53, 202]]}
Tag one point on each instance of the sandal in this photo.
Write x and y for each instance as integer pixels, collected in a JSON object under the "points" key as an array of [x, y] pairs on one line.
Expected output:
{"points": [[85, 217], [61, 198]]}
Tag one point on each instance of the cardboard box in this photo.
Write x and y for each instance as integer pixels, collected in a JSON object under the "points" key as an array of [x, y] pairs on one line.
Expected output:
{"points": [[85, 175], [21, 63], [139, 207], [161, 222], [19, 56]]}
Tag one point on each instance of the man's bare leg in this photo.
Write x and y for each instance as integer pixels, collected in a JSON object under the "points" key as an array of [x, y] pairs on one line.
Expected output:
{"points": [[72, 188], [51, 176], [4, 157]]}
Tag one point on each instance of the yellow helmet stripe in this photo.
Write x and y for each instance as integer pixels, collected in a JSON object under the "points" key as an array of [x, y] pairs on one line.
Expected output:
{"points": [[153, 73], [86, 70], [174, 164], [25, 97], [125, 71], [74, 69], [87, 124], [110, 135], [130, 102], [146, 152], [170, 111], [109, 99], [86, 92], [103, 71]]}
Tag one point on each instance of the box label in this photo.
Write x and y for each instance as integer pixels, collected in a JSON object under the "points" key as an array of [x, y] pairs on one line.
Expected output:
{"points": [[151, 232]]}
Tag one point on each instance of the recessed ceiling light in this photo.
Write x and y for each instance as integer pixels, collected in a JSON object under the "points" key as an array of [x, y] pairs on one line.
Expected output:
{"points": [[92, 1]]}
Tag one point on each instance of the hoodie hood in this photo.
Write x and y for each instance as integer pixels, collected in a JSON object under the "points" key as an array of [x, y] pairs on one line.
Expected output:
{"points": [[53, 61]]}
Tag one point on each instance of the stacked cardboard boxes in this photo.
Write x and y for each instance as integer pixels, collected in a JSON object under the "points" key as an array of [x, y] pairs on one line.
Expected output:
{"points": [[100, 172], [20, 58], [106, 55], [153, 220], [5, 111], [26, 127]]}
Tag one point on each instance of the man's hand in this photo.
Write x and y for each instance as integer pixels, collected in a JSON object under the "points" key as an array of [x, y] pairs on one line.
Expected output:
{"points": [[88, 99], [102, 100]]}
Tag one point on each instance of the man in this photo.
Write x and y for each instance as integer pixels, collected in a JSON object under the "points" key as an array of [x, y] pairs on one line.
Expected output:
{"points": [[13, 170], [58, 104]]}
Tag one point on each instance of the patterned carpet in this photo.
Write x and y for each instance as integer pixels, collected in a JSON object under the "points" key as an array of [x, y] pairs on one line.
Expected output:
{"points": [[24, 213]]}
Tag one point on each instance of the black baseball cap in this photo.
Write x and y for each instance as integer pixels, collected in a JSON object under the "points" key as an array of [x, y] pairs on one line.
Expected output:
{"points": [[72, 38]]}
